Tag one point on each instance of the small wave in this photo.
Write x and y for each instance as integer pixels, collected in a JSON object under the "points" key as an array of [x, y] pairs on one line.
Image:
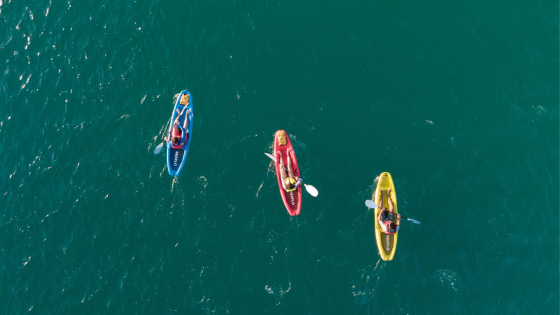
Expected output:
{"points": [[450, 279], [278, 291], [259, 189]]}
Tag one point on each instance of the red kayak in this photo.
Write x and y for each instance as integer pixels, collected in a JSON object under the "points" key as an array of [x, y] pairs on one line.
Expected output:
{"points": [[292, 199]]}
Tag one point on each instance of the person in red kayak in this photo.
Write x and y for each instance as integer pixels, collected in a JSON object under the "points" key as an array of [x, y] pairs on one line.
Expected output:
{"points": [[387, 220], [179, 133], [289, 181]]}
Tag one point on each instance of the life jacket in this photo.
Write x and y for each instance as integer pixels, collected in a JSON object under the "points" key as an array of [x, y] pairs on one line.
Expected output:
{"points": [[176, 132], [287, 181], [292, 181]]}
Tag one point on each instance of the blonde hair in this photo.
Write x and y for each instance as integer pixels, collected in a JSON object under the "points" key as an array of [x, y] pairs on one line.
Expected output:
{"points": [[288, 183]]}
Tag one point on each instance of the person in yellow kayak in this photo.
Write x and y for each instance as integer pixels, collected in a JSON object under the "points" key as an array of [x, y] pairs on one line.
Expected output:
{"points": [[289, 181], [387, 220]]}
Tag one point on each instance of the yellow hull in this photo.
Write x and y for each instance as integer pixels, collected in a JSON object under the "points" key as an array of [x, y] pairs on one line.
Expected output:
{"points": [[386, 243]]}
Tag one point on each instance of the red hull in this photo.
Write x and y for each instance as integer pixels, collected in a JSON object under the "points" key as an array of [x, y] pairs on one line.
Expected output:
{"points": [[292, 199]]}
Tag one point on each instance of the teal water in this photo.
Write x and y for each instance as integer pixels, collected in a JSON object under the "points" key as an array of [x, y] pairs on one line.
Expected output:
{"points": [[457, 100]]}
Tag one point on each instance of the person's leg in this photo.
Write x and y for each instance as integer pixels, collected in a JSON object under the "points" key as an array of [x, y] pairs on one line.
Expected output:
{"points": [[290, 170], [282, 168], [389, 201], [381, 202], [176, 122]]}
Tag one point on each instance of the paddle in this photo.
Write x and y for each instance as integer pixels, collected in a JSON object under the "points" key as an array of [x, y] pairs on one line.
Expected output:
{"points": [[371, 204], [310, 189], [160, 146]]}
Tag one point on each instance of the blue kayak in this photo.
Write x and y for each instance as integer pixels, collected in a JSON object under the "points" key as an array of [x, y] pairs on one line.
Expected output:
{"points": [[176, 157]]}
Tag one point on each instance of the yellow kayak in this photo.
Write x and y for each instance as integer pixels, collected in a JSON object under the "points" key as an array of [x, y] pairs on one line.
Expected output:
{"points": [[386, 243]]}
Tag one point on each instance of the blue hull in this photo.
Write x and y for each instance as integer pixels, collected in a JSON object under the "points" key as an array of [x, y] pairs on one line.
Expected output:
{"points": [[176, 157]]}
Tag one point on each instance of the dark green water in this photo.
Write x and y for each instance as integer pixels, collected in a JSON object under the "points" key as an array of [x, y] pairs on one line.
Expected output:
{"points": [[457, 100]]}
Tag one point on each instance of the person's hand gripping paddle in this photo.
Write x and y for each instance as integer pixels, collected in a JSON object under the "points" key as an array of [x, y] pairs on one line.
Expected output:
{"points": [[310, 189], [371, 204]]}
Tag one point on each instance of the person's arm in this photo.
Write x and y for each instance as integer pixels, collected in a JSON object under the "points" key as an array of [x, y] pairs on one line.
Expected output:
{"points": [[176, 122], [398, 220], [383, 227], [179, 114]]}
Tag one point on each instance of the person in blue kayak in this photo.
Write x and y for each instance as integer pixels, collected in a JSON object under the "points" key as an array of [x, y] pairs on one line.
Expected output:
{"points": [[289, 181], [387, 220], [179, 133]]}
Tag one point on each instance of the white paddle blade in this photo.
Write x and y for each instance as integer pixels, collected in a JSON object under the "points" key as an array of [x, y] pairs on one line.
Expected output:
{"points": [[271, 157], [311, 190], [158, 148], [413, 221], [371, 204]]}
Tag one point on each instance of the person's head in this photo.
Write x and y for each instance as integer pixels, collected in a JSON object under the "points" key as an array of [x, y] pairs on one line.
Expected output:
{"points": [[388, 226], [392, 227], [175, 140], [289, 184]]}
